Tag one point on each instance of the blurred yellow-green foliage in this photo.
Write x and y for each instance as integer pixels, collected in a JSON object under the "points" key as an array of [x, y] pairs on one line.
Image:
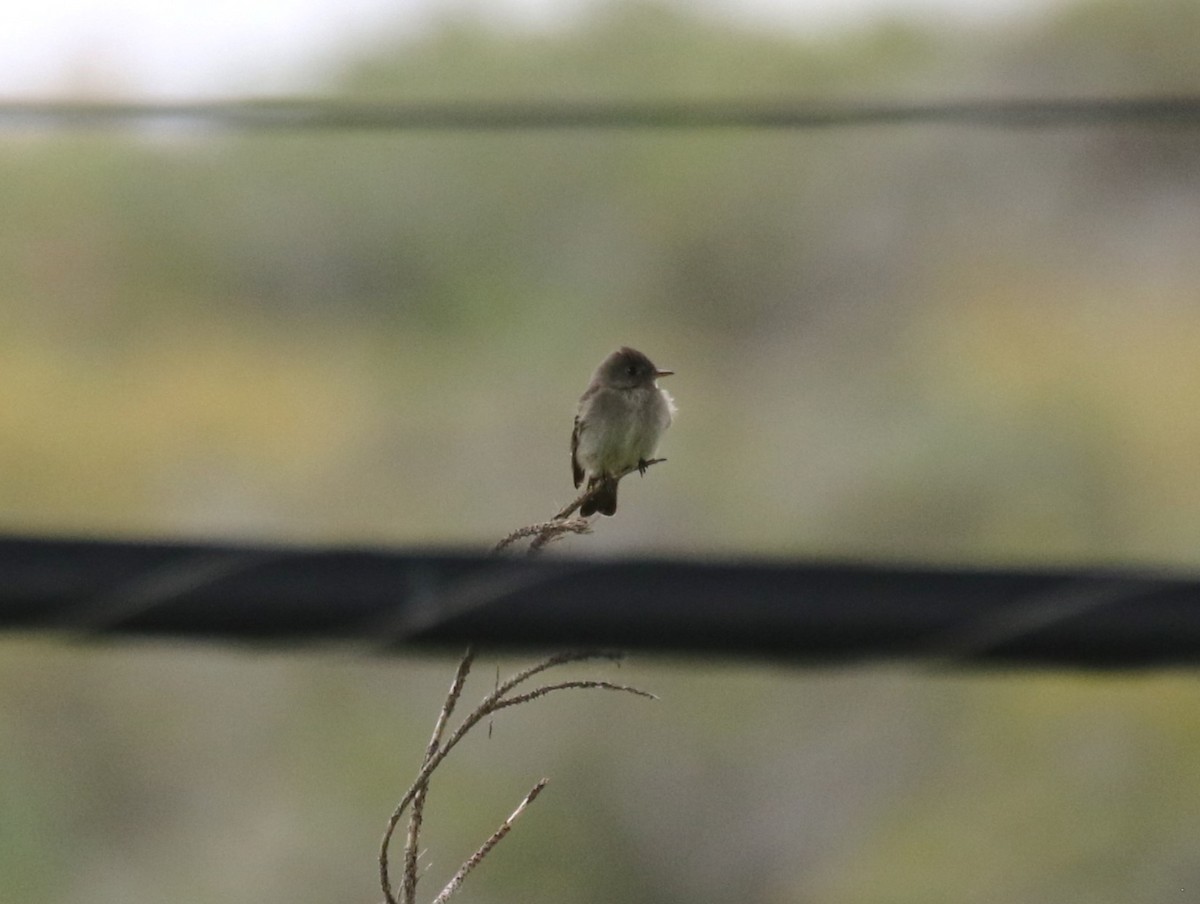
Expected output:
{"points": [[919, 343]]}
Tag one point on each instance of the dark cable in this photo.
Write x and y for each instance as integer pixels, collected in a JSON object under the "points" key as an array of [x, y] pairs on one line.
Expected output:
{"points": [[348, 115], [405, 600]]}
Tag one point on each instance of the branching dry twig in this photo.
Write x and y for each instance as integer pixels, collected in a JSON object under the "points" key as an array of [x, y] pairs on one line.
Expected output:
{"points": [[561, 524], [436, 751]]}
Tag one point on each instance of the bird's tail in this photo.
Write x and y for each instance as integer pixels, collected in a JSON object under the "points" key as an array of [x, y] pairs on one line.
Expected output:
{"points": [[604, 501]]}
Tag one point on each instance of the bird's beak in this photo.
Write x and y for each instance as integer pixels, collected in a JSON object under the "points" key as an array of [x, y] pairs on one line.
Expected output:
{"points": [[663, 373]]}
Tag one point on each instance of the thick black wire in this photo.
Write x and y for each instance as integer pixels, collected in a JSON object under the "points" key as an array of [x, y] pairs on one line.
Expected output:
{"points": [[801, 612], [347, 115]]}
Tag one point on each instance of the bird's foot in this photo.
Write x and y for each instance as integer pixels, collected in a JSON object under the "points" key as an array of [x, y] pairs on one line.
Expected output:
{"points": [[642, 465]]}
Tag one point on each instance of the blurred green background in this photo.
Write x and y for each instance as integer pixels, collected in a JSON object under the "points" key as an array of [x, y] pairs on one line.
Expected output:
{"points": [[918, 344]]}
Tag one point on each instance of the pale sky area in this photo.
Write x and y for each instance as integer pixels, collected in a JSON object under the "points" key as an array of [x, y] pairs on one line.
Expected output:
{"points": [[162, 48]]}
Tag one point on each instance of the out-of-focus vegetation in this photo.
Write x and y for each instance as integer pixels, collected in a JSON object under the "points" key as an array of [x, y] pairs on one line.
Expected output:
{"points": [[918, 343]]}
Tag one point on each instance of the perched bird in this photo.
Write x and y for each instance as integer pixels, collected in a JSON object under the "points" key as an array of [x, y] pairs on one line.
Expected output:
{"points": [[622, 416]]}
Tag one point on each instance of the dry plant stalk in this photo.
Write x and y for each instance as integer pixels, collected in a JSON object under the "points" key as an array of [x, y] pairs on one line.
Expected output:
{"points": [[486, 847], [561, 524], [436, 751]]}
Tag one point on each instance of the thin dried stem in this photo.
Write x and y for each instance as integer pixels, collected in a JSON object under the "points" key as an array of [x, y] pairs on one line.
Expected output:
{"points": [[475, 859], [494, 701], [556, 530], [566, 685], [452, 697], [544, 532], [556, 660], [416, 816]]}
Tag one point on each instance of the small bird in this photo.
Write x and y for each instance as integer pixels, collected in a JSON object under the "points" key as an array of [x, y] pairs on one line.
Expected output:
{"points": [[622, 416]]}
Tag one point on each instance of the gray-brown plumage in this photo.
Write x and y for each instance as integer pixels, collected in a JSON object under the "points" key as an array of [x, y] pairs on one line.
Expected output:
{"points": [[622, 416]]}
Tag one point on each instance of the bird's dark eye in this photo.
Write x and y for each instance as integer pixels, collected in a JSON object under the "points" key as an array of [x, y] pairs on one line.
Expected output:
{"points": [[631, 370]]}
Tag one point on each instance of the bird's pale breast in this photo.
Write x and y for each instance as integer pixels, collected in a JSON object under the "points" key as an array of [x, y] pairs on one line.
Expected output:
{"points": [[622, 427]]}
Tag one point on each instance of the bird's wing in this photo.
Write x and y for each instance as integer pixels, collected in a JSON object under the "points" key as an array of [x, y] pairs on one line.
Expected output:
{"points": [[576, 470]]}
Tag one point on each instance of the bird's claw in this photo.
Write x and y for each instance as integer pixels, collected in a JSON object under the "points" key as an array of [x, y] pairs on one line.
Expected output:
{"points": [[642, 465]]}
